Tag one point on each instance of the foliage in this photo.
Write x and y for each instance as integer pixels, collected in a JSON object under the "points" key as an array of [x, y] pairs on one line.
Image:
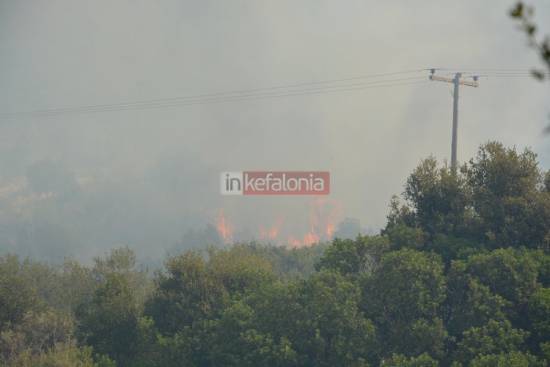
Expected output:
{"points": [[17, 294], [524, 15], [404, 297], [354, 256], [493, 338], [459, 276], [397, 360]]}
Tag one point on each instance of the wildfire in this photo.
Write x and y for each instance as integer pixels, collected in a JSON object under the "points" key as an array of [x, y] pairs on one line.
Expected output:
{"points": [[323, 215], [329, 230], [225, 230], [293, 242], [271, 233], [310, 238]]}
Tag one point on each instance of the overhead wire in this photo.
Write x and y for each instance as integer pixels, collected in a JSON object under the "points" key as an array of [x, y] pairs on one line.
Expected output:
{"points": [[236, 98], [368, 81], [236, 95]]}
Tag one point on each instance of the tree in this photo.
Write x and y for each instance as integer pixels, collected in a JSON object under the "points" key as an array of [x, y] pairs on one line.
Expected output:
{"points": [[38, 338], [470, 303], [235, 341], [398, 360], [109, 319], [539, 315], [354, 256], [509, 273], [320, 318], [497, 200], [512, 359], [109, 323], [404, 297], [61, 287], [238, 270], [493, 338], [17, 295], [194, 289], [506, 197], [63, 355], [524, 15], [403, 236], [185, 294], [439, 198]]}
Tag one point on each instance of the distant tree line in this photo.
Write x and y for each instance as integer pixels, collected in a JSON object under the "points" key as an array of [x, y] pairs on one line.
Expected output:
{"points": [[459, 276]]}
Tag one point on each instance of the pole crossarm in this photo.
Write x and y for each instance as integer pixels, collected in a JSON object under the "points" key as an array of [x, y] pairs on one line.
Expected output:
{"points": [[469, 83]]}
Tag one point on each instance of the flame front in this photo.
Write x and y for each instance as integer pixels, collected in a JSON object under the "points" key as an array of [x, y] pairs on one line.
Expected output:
{"points": [[225, 230], [322, 218]]}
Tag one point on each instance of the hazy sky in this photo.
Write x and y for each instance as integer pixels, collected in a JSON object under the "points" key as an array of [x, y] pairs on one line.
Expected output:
{"points": [[69, 53]]}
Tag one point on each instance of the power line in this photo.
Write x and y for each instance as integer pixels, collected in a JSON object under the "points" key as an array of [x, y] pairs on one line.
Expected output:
{"points": [[368, 81], [472, 76], [238, 95], [233, 99], [486, 71], [510, 75], [482, 69], [219, 97]]}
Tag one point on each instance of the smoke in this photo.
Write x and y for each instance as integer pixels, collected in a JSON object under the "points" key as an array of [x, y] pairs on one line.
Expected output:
{"points": [[77, 184]]}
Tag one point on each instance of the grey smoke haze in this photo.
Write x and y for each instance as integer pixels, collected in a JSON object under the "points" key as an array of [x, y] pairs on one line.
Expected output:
{"points": [[145, 177]]}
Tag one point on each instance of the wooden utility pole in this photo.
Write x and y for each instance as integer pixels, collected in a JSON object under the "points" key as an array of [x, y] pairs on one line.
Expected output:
{"points": [[456, 81]]}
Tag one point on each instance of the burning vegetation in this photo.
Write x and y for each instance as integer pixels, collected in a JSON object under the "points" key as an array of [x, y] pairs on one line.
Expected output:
{"points": [[323, 214]]}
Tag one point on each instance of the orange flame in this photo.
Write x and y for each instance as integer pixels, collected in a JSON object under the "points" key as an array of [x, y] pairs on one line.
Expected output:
{"points": [[329, 230], [324, 213], [225, 230], [293, 242], [271, 233], [310, 239]]}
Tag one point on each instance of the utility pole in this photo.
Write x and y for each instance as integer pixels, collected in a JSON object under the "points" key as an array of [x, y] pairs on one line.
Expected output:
{"points": [[457, 81]]}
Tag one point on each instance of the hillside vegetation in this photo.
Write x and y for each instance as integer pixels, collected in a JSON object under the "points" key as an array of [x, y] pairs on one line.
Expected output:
{"points": [[459, 276]]}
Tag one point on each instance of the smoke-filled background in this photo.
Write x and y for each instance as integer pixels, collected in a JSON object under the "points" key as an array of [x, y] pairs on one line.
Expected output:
{"points": [[78, 184]]}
